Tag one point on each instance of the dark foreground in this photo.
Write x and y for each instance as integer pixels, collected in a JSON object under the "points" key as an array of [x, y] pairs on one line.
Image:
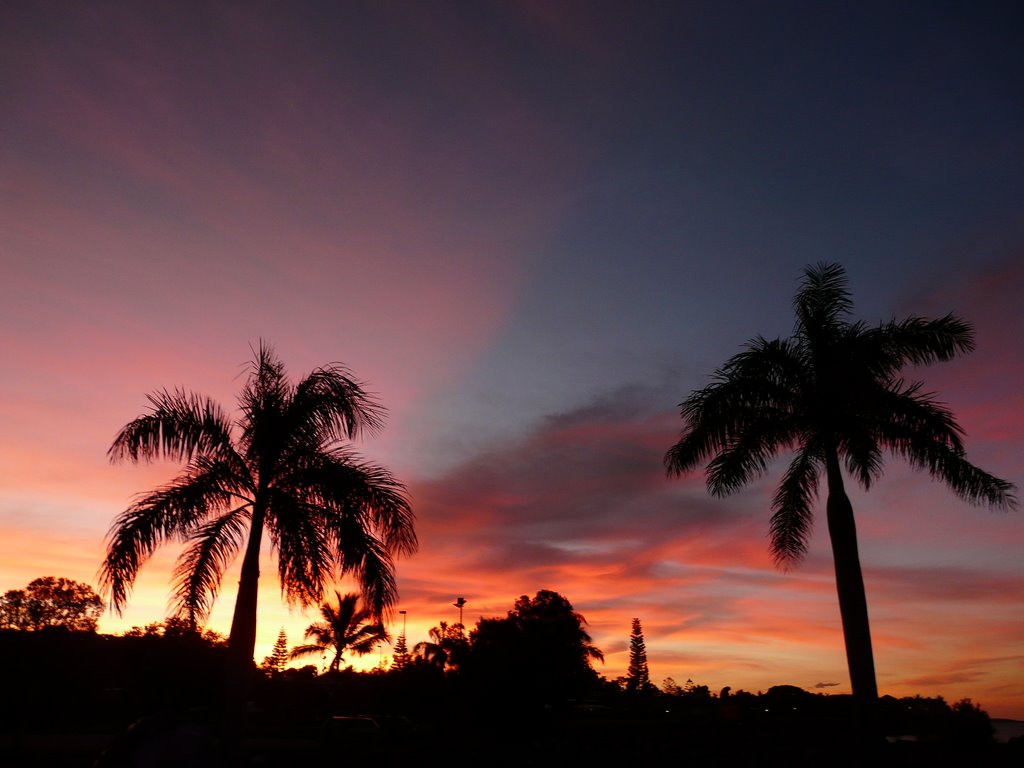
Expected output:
{"points": [[572, 737], [70, 701]]}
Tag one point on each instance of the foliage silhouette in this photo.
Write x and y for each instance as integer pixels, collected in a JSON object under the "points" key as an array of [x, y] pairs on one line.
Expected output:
{"points": [[285, 466], [833, 393], [175, 627], [638, 677], [446, 649], [538, 652], [400, 657], [63, 714], [346, 627], [51, 602], [278, 658]]}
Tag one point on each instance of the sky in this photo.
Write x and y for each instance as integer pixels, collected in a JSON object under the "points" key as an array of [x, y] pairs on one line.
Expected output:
{"points": [[532, 229]]}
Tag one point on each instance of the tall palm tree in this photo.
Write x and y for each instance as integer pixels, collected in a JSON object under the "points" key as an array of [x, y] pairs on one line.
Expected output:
{"points": [[346, 627], [834, 394], [284, 467]]}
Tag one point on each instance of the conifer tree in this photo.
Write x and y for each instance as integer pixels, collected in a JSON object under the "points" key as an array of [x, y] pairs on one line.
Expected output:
{"points": [[638, 679], [401, 655], [278, 658]]}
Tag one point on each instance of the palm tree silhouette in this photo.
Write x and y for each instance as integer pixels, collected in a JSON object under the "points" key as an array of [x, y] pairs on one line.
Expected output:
{"points": [[284, 467], [345, 627], [447, 647], [834, 394]]}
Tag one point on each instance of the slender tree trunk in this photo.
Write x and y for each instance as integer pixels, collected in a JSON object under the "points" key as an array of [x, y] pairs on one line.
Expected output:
{"points": [[242, 643], [242, 640], [853, 606]]}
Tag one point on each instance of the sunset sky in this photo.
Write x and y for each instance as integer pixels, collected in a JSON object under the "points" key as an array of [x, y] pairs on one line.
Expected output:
{"points": [[532, 228]]}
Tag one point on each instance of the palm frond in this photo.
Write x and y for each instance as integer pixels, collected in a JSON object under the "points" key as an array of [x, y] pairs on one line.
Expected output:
{"points": [[753, 393], [859, 447], [969, 482], [198, 572], [172, 512], [920, 341], [341, 483], [738, 463], [178, 426], [263, 401], [823, 299], [301, 651], [593, 651], [905, 416], [367, 637], [323, 633], [362, 555], [333, 405], [304, 559], [792, 506]]}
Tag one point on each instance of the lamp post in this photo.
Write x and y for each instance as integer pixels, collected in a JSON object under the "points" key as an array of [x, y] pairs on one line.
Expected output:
{"points": [[459, 603]]}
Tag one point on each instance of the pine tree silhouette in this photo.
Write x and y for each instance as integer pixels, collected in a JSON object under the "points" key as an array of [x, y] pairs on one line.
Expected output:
{"points": [[638, 678], [401, 654], [278, 658]]}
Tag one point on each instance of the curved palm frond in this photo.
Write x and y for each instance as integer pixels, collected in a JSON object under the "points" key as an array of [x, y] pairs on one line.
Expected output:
{"points": [[920, 341], [301, 651], [793, 514], [179, 426], [743, 419], [432, 653], [172, 512], [593, 652], [906, 416], [343, 484], [925, 433], [972, 484], [335, 406], [742, 460], [366, 558], [304, 558], [198, 572]]}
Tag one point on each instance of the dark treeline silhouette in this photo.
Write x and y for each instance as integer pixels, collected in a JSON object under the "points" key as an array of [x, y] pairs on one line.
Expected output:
{"points": [[514, 691], [51, 602]]}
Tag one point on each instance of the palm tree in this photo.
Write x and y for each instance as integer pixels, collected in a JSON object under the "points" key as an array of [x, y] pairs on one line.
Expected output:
{"points": [[344, 628], [834, 394], [447, 647], [284, 467]]}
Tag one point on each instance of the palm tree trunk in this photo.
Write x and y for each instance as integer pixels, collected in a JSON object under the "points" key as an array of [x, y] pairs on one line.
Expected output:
{"points": [[242, 643], [853, 606], [242, 640]]}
